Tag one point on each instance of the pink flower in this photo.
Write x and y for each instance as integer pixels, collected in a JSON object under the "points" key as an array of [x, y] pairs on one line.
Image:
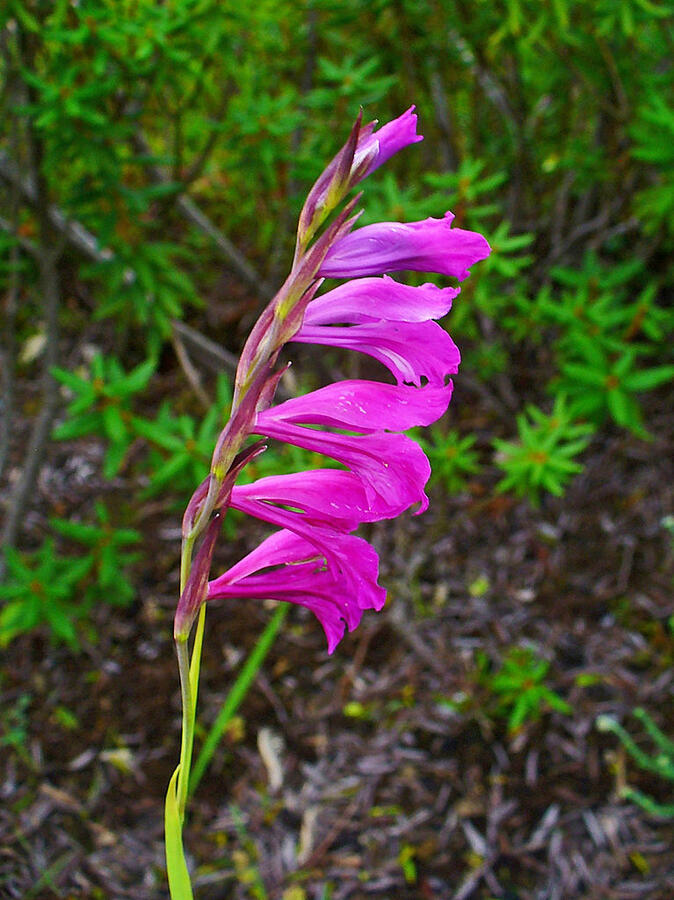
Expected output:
{"points": [[289, 568], [314, 559], [364, 406], [392, 137], [364, 152], [392, 468], [428, 246]]}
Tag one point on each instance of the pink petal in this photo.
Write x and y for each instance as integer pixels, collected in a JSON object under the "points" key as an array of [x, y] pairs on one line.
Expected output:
{"points": [[303, 579], [391, 137], [328, 542], [392, 467], [364, 406], [431, 245], [371, 299], [410, 350], [331, 497]]}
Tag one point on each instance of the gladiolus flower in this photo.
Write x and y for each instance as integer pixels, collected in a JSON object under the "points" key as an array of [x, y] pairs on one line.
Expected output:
{"points": [[428, 246], [314, 559], [287, 567]]}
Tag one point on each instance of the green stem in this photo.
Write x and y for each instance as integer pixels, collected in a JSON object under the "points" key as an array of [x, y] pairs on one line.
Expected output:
{"points": [[189, 688], [188, 725], [174, 813], [176, 798], [195, 664]]}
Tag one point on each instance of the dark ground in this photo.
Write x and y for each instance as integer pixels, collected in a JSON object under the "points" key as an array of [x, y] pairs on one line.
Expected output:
{"points": [[386, 792]]}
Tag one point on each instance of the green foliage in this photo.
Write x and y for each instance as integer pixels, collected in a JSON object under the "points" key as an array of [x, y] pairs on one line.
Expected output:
{"points": [[107, 548], [14, 724], [660, 764], [52, 589], [604, 331], [181, 446], [599, 384], [653, 135], [101, 405], [518, 687], [452, 457], [543, 459], [43, 588]]}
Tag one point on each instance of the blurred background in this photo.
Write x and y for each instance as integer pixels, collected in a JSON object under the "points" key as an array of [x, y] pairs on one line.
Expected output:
{"points": [[504, 728]]}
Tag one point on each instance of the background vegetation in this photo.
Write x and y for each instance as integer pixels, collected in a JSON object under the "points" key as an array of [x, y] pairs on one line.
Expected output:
{"points": [[153, 161]]}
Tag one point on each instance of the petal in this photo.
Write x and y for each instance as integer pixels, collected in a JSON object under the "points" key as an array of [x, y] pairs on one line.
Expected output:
{"points": [[329, 543], [364, 406], [410, 350], [392, 467], [304, 580], [367, 299], [297, 557], [391, 137], [431, 245], [280, 547], [331, 497]]}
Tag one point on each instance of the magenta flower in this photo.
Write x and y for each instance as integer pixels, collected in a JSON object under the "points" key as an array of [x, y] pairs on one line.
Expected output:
{"points": [[314, 559], [287, 567], [390, 138], [428, 246]]}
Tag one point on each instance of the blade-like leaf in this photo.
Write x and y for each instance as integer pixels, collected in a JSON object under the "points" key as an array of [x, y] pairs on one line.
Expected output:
{"points": [[176, 867]]}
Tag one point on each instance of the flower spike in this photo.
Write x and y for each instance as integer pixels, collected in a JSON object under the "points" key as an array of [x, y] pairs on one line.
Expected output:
{"points": [[314, 559]]}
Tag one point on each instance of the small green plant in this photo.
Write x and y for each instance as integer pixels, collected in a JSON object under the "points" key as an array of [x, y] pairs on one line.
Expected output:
{"points": [[43, 588], [661, 763], [14, 724], [101, 405], [605, 326], [518, 687], [106, 548], [543, 459], [452, 457], [600, 383], [49, 588], [653, 136]]}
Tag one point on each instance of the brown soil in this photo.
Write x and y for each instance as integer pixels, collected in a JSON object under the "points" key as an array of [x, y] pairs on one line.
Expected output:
{"points": [[387, 791]]}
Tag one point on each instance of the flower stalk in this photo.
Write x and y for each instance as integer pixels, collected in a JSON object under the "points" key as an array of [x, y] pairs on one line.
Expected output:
{"points": [[314, 559]]}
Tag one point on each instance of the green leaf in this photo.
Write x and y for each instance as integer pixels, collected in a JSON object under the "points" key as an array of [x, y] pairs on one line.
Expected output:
{"points": [[137, 379], [648, 379], [77, 531], [115, 428], [70, 379], [114, 459], [176, 867], [158, 434], [61, 624], [16, 618], [90, 423], [237, 693]]}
